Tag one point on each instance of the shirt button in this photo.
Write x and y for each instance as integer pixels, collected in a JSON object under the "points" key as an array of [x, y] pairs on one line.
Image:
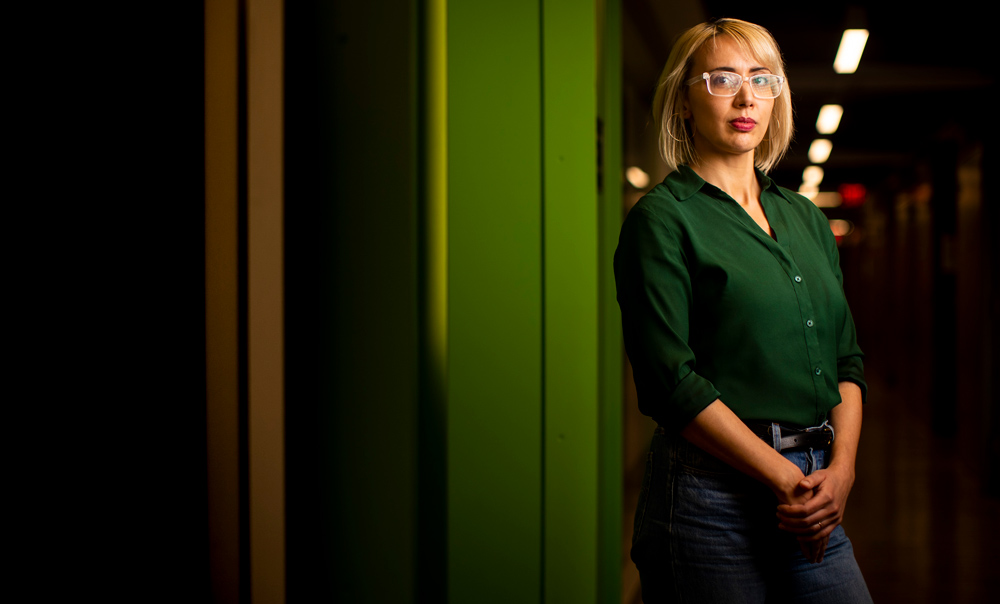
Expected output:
{"points": [[809, 323], [818, 371], [798, 279]]}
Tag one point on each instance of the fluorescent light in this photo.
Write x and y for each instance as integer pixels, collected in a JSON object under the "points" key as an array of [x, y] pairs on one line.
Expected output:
{"points": [[852, 44], [819, 150], [812, 176], [829, 119], [638, 178], [827, 200], [841, 228]]}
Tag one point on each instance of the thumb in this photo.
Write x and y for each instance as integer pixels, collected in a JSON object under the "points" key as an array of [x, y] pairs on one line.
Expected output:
{"points": [[813, 480]]}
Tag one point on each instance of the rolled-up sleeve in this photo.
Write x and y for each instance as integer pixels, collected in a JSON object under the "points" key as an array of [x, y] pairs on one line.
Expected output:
{"points": [[655, 296]]}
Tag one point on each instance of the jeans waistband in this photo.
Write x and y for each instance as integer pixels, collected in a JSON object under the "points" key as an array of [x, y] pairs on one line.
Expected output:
{"points": [[792, 438]]}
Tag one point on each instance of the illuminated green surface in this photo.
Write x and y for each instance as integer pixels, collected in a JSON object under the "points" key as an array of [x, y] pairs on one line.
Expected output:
{"points": [[571, 326], [534, 363], [494, 302], [452, 415]]}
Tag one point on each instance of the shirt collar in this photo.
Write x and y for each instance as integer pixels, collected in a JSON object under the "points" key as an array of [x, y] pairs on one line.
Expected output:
{"points": [[684, 182]]}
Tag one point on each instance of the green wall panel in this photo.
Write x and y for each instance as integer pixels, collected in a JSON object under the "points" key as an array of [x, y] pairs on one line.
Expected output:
{"points": [[460, 397], [494, 302], [610, 340], [533, 386], [571, 298]]}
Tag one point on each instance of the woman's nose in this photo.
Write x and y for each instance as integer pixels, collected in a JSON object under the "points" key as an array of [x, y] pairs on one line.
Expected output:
{"points": [[744, 96]]}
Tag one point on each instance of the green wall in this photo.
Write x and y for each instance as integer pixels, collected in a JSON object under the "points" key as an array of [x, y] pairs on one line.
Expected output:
{"points": [[527, 386], [569, 109], [454, 390], [610, 346], [495, 305]]}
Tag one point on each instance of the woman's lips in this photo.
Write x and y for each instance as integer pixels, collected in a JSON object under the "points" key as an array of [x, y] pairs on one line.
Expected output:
{"points": [[743, 124]]}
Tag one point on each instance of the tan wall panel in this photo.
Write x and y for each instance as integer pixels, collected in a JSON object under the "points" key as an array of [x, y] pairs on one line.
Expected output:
{"points": [[265, 22], [221, 295]]}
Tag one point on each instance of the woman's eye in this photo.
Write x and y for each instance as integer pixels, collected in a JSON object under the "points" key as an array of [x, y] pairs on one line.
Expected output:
{"points": [[759, 80], [723, 79]]}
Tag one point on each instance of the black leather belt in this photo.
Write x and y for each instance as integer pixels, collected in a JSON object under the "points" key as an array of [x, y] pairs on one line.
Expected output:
{"points": [[794, 439]]}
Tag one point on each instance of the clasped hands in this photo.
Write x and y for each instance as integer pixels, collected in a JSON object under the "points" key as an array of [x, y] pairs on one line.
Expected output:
{"points": [[814, 507]]}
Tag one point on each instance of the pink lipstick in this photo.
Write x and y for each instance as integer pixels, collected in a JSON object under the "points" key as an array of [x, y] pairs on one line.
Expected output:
{"points": [[743, 124]]}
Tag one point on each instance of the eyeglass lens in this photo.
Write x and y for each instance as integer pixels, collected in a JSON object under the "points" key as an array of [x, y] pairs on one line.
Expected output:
{"points": [[764, 85]]}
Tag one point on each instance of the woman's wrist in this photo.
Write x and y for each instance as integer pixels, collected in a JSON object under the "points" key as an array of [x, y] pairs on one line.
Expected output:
{"points": [[784, 482], [844, 468]]}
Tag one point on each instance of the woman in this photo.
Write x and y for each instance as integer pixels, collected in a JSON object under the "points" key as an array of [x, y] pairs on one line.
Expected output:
{"points": [[742, 345]]}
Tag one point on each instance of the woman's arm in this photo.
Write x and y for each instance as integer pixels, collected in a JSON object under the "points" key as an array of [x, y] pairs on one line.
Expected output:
{"points": [[656, 296], [846, 421], [720, 432], [814, 520]]}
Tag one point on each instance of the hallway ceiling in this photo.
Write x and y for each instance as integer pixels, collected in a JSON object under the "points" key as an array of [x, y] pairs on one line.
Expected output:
{"points": [[925, 75]]}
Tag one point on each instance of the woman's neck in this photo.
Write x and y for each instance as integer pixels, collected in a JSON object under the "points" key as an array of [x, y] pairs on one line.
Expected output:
{"points": [[735, 176]]}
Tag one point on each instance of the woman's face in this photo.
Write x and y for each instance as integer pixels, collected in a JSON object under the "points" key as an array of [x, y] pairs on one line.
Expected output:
{"points": [[725, 126]]}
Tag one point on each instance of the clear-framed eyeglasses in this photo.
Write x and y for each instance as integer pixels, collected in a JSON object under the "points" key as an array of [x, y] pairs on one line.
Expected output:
{"points": [[727, 83]]}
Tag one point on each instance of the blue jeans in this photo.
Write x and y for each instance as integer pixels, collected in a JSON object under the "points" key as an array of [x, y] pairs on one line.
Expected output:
{"points": [[706, 533]]}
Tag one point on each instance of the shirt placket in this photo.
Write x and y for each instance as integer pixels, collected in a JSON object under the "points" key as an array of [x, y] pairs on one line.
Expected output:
{"points": [[807, 318], [807, 314]]}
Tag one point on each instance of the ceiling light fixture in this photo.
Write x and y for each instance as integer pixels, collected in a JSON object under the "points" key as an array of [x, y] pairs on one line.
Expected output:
{"points": [[812, 176], [852, 44], [637, 177], [819, 150], [841, 227], [829, 119], [827, 200]]}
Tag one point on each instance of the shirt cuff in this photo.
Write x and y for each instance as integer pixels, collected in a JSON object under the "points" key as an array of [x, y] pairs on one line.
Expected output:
{"points": [[851, 369], [692, 394]]}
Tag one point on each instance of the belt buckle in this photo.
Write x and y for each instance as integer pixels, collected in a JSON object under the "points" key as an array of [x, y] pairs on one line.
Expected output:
{"points": [[825, 429]]}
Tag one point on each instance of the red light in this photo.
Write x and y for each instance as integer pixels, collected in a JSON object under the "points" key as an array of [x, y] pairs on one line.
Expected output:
{"points": [[853, 195]]}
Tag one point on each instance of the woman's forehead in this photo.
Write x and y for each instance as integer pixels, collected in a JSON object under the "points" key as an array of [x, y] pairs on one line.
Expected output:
{"points": [[723, 51]]}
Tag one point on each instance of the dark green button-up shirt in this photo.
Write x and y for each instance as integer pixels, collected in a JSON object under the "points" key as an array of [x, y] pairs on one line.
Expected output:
{"points": [[713, 307]]}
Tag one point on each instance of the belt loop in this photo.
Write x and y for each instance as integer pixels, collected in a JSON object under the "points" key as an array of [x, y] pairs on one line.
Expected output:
{"points": [[776, 436]]}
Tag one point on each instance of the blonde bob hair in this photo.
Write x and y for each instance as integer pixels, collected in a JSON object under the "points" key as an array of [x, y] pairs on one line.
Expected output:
{"points": [[676, 144]]}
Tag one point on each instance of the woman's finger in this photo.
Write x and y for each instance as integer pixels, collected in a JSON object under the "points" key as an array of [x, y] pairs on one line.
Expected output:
{"points": [[813, 480], [806, 517], [805, 510], [820, 524]]}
